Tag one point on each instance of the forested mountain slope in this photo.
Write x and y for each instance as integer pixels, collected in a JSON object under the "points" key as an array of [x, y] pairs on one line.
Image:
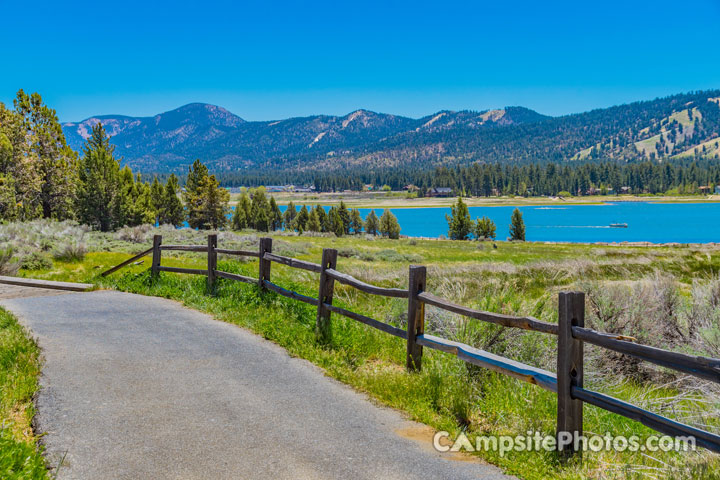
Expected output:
{"points": [[680, 126]]}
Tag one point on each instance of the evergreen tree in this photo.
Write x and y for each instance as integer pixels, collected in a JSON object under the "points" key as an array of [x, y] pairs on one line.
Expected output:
{"points": [[322, 218], [260, 215], [122, 207], [301, 220], [209, 205], [372, 223], [337, 223], [142, 211], [314, 224], [344, 215], [239, 218], [55, 163], [242, 216], [517, 226], [196, 173], [484, 228], [98, 181], [8, 200], [276, 218], [460, 225], [172, 208], [356, 222], [157, 199], [389, 226], [289, 216]]}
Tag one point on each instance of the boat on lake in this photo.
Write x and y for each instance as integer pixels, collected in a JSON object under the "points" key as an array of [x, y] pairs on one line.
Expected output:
{"points": [[618, 225]]}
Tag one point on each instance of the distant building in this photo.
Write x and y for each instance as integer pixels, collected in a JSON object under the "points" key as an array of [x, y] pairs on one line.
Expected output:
{"points": [[410, 188], [440, 192], [717, 189]]}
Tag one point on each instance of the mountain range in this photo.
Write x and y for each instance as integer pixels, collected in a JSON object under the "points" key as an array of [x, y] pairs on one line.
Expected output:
{"points": [[684, 125]]}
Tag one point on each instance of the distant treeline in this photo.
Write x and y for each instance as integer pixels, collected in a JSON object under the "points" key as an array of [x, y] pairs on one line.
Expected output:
{"points": [[681, 176]]}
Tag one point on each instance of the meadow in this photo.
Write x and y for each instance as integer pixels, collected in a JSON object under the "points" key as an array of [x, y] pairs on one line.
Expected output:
{"points": [[663, 296]]}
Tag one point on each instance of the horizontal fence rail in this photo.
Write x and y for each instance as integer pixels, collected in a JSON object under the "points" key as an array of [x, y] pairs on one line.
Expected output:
{"points": [[567, 383], [385, 327], [366, 287], [649, 419], [293, 262], [290, 294], [191, 271], [526, 373], [239, 253], [526, 323], [185, 248], [703, 367]]}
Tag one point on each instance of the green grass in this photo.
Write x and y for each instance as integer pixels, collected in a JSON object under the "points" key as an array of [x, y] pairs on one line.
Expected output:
{"points": [[19, 370], [515, 278]]}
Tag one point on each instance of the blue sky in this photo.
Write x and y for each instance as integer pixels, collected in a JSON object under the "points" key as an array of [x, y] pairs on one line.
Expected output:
{"points": [[269, 60]]}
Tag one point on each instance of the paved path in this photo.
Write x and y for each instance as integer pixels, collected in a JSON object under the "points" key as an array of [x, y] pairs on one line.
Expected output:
{"points": [[138, 387]]}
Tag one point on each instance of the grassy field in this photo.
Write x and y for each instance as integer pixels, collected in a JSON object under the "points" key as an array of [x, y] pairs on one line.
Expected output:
{"points": [[19, 369], [663, 296], [405, 200]]}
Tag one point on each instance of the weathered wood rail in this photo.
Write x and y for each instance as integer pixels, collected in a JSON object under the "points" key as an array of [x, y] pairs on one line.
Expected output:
{"points": [[567, 383]]}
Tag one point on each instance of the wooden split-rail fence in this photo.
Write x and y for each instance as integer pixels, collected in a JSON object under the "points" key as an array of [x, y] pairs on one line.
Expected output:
{"points": [[567, 383]]}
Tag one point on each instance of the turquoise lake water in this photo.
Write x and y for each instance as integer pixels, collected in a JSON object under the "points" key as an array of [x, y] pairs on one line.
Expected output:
{"points": [[647, 222]]}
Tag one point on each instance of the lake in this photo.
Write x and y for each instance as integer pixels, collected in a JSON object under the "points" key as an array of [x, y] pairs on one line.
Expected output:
{"points": [[647, 222]]}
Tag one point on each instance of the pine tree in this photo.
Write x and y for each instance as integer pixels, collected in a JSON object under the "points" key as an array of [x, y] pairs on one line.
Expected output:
{"points": [[157, 199], [356, 222], [260, 216], [209, 205], [276, 218], [239, 218], [8, 200], [289, 216], [242, 216], [389, 226], [322, 218], [142, 211], [344, 215], [172, 208], [372, 223], [124, 202], [517, 226], [55, 162], [460, 225], [314, 224], [301, 220], [196, 172], [484, 228], [98, 181]]}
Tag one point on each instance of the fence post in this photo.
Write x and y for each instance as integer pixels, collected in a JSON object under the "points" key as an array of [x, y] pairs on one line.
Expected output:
{"points": [[264, 273], [211, 262], [155, 266], [571, 313], [323, 332], [416, 317]]}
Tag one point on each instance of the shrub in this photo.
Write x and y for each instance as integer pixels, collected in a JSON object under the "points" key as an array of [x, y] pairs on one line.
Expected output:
{"points": [[71, 251], [347, 252], [389, 255], [36, 261], [137, 234], [7, 265]]}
